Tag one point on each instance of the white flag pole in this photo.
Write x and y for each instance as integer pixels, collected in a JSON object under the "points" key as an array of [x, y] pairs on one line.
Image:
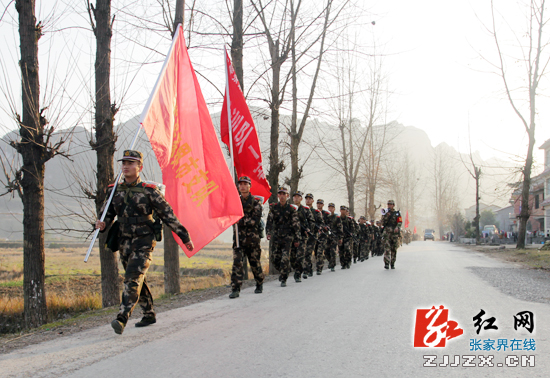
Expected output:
{"points": [[230, 127], [96, 232], [145, 110]]}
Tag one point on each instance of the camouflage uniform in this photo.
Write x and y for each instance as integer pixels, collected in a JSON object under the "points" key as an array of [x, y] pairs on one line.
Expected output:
{"points": [[321, 245], [249, 243], [283, 227], [345, 250], [297, 254], [363, 238], [315, 219], [356, 243], [336, 234], [133, 204], [390, 221]]}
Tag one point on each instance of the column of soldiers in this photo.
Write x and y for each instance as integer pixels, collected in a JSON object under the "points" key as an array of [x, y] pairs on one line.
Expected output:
{"points": [[297, 233], [302, 237]]}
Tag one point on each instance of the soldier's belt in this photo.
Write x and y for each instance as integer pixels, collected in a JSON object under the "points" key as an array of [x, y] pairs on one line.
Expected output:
{"points": [[135, 220]]}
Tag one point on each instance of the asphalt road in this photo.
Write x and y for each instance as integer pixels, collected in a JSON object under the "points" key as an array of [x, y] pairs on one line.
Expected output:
{"points": [[348, 323]]}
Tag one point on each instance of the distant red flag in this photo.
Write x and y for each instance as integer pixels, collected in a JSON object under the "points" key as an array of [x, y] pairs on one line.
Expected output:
{"points": [[407, 219], [198, 184], [414, 230], [247, 155]]}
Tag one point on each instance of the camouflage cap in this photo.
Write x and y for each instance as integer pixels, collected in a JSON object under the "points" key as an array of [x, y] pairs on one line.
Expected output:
{"points": [[298, 193], [282, 189], [132, 155], [391, 202], [309, 195], [321, 201], [245, 179], [343, 207], [362, 217], [331, 204]]}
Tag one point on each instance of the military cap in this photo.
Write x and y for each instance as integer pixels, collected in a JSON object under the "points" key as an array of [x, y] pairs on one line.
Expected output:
{"points": [[331, 204], [309, 195], [321, 201], [282, 189], [391, 202], [362, 217], [245, 179], [298, 193], [132, 155], [343, 207]]}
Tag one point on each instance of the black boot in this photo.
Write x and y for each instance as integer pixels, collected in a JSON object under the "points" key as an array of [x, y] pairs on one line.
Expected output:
{"points": [[297, 277], [283, 283], [386, 266], [234, 294], [259, 289], [146, 320], [118, 325], [392, 266], [304, 276]]}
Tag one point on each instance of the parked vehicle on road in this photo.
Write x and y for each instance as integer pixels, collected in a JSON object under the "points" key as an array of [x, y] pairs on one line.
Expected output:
{"points": [[429, 234]]}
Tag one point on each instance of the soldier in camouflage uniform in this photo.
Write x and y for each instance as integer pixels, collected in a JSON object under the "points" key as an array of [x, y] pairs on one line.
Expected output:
{"points": [[324, 232], [355, 244], [284, 227], [349, 230], [249, 240], [391, 221], [334, 222], [316, 223], [364, 239], [378, 239], [297, 254], [133, 204]]}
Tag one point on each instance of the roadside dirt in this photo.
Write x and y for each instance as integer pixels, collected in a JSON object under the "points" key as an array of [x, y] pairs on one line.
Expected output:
{"points": [[97, 318]]}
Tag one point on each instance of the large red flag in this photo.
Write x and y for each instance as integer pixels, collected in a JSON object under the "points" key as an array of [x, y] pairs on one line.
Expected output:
{"points": [[407, 219], [247, 155], [198, 183]]}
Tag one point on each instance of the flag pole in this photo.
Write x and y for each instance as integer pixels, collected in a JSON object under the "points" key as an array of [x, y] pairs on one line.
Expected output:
{"points": [[96, 232], [230, 127]]}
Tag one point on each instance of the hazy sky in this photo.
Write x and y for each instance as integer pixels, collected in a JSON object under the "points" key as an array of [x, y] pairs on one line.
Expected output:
{"points": [[435, 52]]}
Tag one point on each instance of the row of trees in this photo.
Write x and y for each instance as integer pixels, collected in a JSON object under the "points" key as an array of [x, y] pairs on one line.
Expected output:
{"points": [[309, 58]]}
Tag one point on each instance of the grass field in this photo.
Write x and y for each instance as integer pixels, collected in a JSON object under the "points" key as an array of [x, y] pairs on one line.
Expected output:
{"points": [[73, 286]]}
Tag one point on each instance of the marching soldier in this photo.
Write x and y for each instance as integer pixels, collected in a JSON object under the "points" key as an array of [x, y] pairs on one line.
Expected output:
{"points": [[324, 233], [335, 238], [284, 227], [364, 239], [297, 254], [378, 239], [347, 245], [249, 240], [391, 221], [133, 204], [316, 224], [355, 243]]}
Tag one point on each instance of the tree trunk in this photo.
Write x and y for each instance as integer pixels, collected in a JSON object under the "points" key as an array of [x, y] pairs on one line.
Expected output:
{"points": [[171, 263], [171, 248], [237, 41], [275, 166], [105, 145], [524, 213], [477, 217], [31, 130]]}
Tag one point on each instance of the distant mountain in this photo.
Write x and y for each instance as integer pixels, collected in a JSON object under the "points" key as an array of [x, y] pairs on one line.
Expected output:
{"points": [[66, 206]]}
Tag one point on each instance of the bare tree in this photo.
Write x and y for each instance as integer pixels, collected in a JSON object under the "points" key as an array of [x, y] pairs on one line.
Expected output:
{"points": [[532, 44], [105, 139], [444, 181], [35, 147], [475, 171]]}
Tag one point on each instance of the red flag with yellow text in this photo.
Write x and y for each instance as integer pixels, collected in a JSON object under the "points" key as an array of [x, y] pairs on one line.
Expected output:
{"points": [[407, 219], [199, 186], [247, 155]]}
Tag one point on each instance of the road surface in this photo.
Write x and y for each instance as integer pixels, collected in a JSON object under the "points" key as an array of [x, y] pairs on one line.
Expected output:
{"points": [[348, 323]]}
